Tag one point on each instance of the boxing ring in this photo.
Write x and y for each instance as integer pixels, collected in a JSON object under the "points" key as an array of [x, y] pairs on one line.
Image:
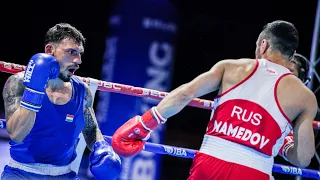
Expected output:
{"points": [[180, 152]]}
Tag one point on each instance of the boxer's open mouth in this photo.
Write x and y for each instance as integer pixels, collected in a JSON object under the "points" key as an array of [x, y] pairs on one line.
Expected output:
{"points": [[72, 70]]}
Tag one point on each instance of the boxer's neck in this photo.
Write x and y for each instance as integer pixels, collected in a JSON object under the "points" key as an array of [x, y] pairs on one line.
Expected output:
{"points": [[56, 84], [275, 57]]}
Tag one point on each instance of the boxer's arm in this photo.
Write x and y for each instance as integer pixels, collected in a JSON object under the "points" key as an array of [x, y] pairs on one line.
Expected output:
{"points": [[304, 146], [203, 84], [20, 120], [91, 131]]}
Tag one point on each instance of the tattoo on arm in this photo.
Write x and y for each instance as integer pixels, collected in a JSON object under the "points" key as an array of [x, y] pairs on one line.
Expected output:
{"points": [[12, 93], [91, 130]]}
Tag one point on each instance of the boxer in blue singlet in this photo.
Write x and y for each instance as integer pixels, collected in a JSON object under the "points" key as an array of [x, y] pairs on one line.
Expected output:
{"points": [[47, 107]]}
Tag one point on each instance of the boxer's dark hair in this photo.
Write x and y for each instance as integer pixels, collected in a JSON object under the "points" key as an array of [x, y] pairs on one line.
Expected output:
{"points": [[282, 36], [303, 65], [61, 31]]}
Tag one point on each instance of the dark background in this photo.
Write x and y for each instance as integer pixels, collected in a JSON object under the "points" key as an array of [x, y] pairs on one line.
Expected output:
{"points": [[209, 31]]}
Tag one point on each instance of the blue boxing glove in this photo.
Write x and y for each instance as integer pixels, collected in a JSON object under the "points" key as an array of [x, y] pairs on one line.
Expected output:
{"points": [[105, 164], [39, 70]]}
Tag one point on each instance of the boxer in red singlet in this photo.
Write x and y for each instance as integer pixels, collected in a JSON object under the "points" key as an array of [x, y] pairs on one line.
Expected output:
{"points": [[258, 101]]}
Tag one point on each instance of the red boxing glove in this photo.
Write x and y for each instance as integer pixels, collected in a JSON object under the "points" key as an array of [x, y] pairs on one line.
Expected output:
{"points": [[130, 138], [287, 144]]}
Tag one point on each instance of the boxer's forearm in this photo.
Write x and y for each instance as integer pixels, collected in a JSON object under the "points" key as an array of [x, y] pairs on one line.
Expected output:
{"points": [[203, 84], [294, 159], [175, 101], [20, 124], [91, 131]]}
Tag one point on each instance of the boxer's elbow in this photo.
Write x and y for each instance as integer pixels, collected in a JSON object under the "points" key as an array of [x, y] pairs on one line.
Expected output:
{"points": [[304, 159], [20, 124], [18, 132], [16, 137], [14, 134], [303, 163]]}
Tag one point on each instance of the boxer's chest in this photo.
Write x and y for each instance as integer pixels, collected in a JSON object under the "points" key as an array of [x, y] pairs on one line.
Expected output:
{"points": [[60, 96]]}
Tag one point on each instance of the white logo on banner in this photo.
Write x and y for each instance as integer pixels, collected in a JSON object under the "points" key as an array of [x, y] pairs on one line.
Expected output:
{"points": [[152, 23]]}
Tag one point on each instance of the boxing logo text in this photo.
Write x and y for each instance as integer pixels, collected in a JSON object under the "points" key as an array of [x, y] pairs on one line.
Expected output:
{"points": [[110, 85], [29, 71], [239, 132], [254, 118], [175, 151], [291, 170]]}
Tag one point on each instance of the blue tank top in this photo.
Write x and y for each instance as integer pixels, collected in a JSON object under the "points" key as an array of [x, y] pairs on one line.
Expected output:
{"points": [[54, 135]]}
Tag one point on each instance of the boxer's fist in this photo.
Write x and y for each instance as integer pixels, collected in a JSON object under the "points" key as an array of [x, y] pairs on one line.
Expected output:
{"points": [[287, 144], [105, 164], [130, 138], [39, 70]]}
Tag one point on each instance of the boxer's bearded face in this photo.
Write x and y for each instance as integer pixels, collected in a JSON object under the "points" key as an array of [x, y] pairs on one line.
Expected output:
{"points": [[68, 53]]}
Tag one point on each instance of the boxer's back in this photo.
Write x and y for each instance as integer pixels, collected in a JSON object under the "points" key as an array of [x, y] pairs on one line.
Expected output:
{"points": [[249, 121], [247, 110], [290, 91]]}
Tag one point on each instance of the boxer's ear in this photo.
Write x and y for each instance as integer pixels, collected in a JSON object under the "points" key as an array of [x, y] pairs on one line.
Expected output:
{"points": [[264, 46], [49, 49]]}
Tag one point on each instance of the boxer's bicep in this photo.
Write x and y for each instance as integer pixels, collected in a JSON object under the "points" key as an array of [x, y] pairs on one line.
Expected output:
{"points": [[209, 81], [91, 131], [203, 84], [12, 94]]}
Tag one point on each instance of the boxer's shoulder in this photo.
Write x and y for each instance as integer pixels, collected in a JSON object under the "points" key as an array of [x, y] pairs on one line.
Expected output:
{"points": [[304, 98], [240, 65], [12, 93], [88, 98], [14, 83], [243, 62], [293, 83], [77, 80], [16, 78]]}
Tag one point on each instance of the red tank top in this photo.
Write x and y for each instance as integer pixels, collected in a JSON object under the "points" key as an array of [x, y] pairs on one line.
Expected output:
{"points": [[249, 113]]}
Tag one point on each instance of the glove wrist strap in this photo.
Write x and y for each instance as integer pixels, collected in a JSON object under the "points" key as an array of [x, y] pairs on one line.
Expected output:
{"points": [[289, 142], [152, 119], [31, 99], [285, 151]]}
